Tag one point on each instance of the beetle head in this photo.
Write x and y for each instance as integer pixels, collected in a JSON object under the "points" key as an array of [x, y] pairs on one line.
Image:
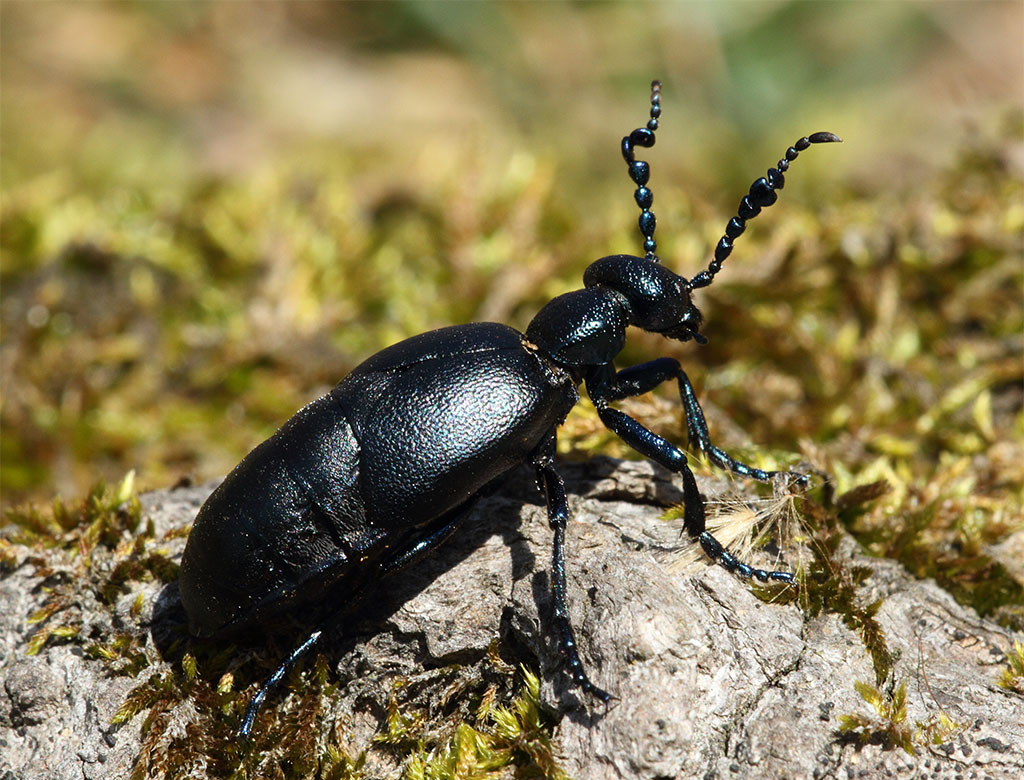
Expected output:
{"points": [[657, 299]]}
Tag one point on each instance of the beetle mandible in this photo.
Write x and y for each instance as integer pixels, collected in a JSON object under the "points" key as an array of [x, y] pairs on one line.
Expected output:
{"points": [[381, 470]]}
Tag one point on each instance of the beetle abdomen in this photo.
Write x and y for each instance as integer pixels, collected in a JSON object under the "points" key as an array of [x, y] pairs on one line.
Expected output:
{"points": [[287, 519]]}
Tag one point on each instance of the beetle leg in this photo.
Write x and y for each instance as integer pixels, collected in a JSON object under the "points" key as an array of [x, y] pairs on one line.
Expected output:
{"points": [[661, 451], [271, 682], [434, 538], [558, 515], [642, 378], [698, 430]]}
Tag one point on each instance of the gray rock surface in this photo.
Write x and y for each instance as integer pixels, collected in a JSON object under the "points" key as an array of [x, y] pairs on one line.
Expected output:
{"points": [[710, 681]]}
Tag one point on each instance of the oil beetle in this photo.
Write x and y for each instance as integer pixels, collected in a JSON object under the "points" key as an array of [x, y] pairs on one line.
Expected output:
{"points": [[381, 470]]}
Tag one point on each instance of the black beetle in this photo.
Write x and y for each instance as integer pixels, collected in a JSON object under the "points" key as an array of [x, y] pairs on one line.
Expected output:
{"points": [[380, 471]]}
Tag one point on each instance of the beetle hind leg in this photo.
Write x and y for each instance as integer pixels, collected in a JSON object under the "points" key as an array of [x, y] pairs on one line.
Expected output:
{"points": [[435, 535], [274, 680]]}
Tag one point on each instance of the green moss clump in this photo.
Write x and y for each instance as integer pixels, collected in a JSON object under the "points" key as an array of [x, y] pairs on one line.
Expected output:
{"points": [[74, 543], [445, 723], [890, 727], [103, 517], [1012, 677], [517, 735]]}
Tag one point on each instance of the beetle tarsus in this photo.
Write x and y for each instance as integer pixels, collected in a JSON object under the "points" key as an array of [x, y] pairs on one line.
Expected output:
{"points": [[716, 552]]}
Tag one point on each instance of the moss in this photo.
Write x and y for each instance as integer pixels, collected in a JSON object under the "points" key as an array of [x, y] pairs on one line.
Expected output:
{"points": [[889, 726], [104, 526], [481, 741], [832, 583], [288, 742], [103, 517], [1012, 677], [941, 529], [443, 724], [517, 735]]}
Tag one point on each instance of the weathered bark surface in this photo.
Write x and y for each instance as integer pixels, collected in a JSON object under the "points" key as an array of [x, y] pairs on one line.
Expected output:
{"points": [[711, 682]]}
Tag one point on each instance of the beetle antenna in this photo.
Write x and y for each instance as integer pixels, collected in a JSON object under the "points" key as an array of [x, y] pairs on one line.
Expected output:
{"points": [[762, 194], [640, 171]]}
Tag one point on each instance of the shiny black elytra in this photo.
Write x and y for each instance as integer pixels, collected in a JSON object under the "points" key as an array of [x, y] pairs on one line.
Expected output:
{"points": [[378, 473]]}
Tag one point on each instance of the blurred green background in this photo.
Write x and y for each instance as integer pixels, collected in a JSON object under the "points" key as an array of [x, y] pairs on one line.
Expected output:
{"points": [[212, 211]]}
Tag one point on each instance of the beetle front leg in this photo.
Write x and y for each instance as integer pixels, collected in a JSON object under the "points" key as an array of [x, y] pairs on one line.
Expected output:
{"points": [[661, 451], [637, 380], [558, 516]]}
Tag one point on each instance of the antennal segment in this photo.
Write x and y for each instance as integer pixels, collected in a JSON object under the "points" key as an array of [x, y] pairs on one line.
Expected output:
{"points": [[640, 171], [762, 194]]}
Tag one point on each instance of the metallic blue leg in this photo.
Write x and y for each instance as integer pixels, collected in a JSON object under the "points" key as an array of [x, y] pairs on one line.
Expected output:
{"points": [[637, 380], [558, 515], [271, 682]]}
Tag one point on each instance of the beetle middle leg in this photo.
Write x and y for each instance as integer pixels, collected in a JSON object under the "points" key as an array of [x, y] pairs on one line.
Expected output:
{"points": [[662, 451], [553, 487]]}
